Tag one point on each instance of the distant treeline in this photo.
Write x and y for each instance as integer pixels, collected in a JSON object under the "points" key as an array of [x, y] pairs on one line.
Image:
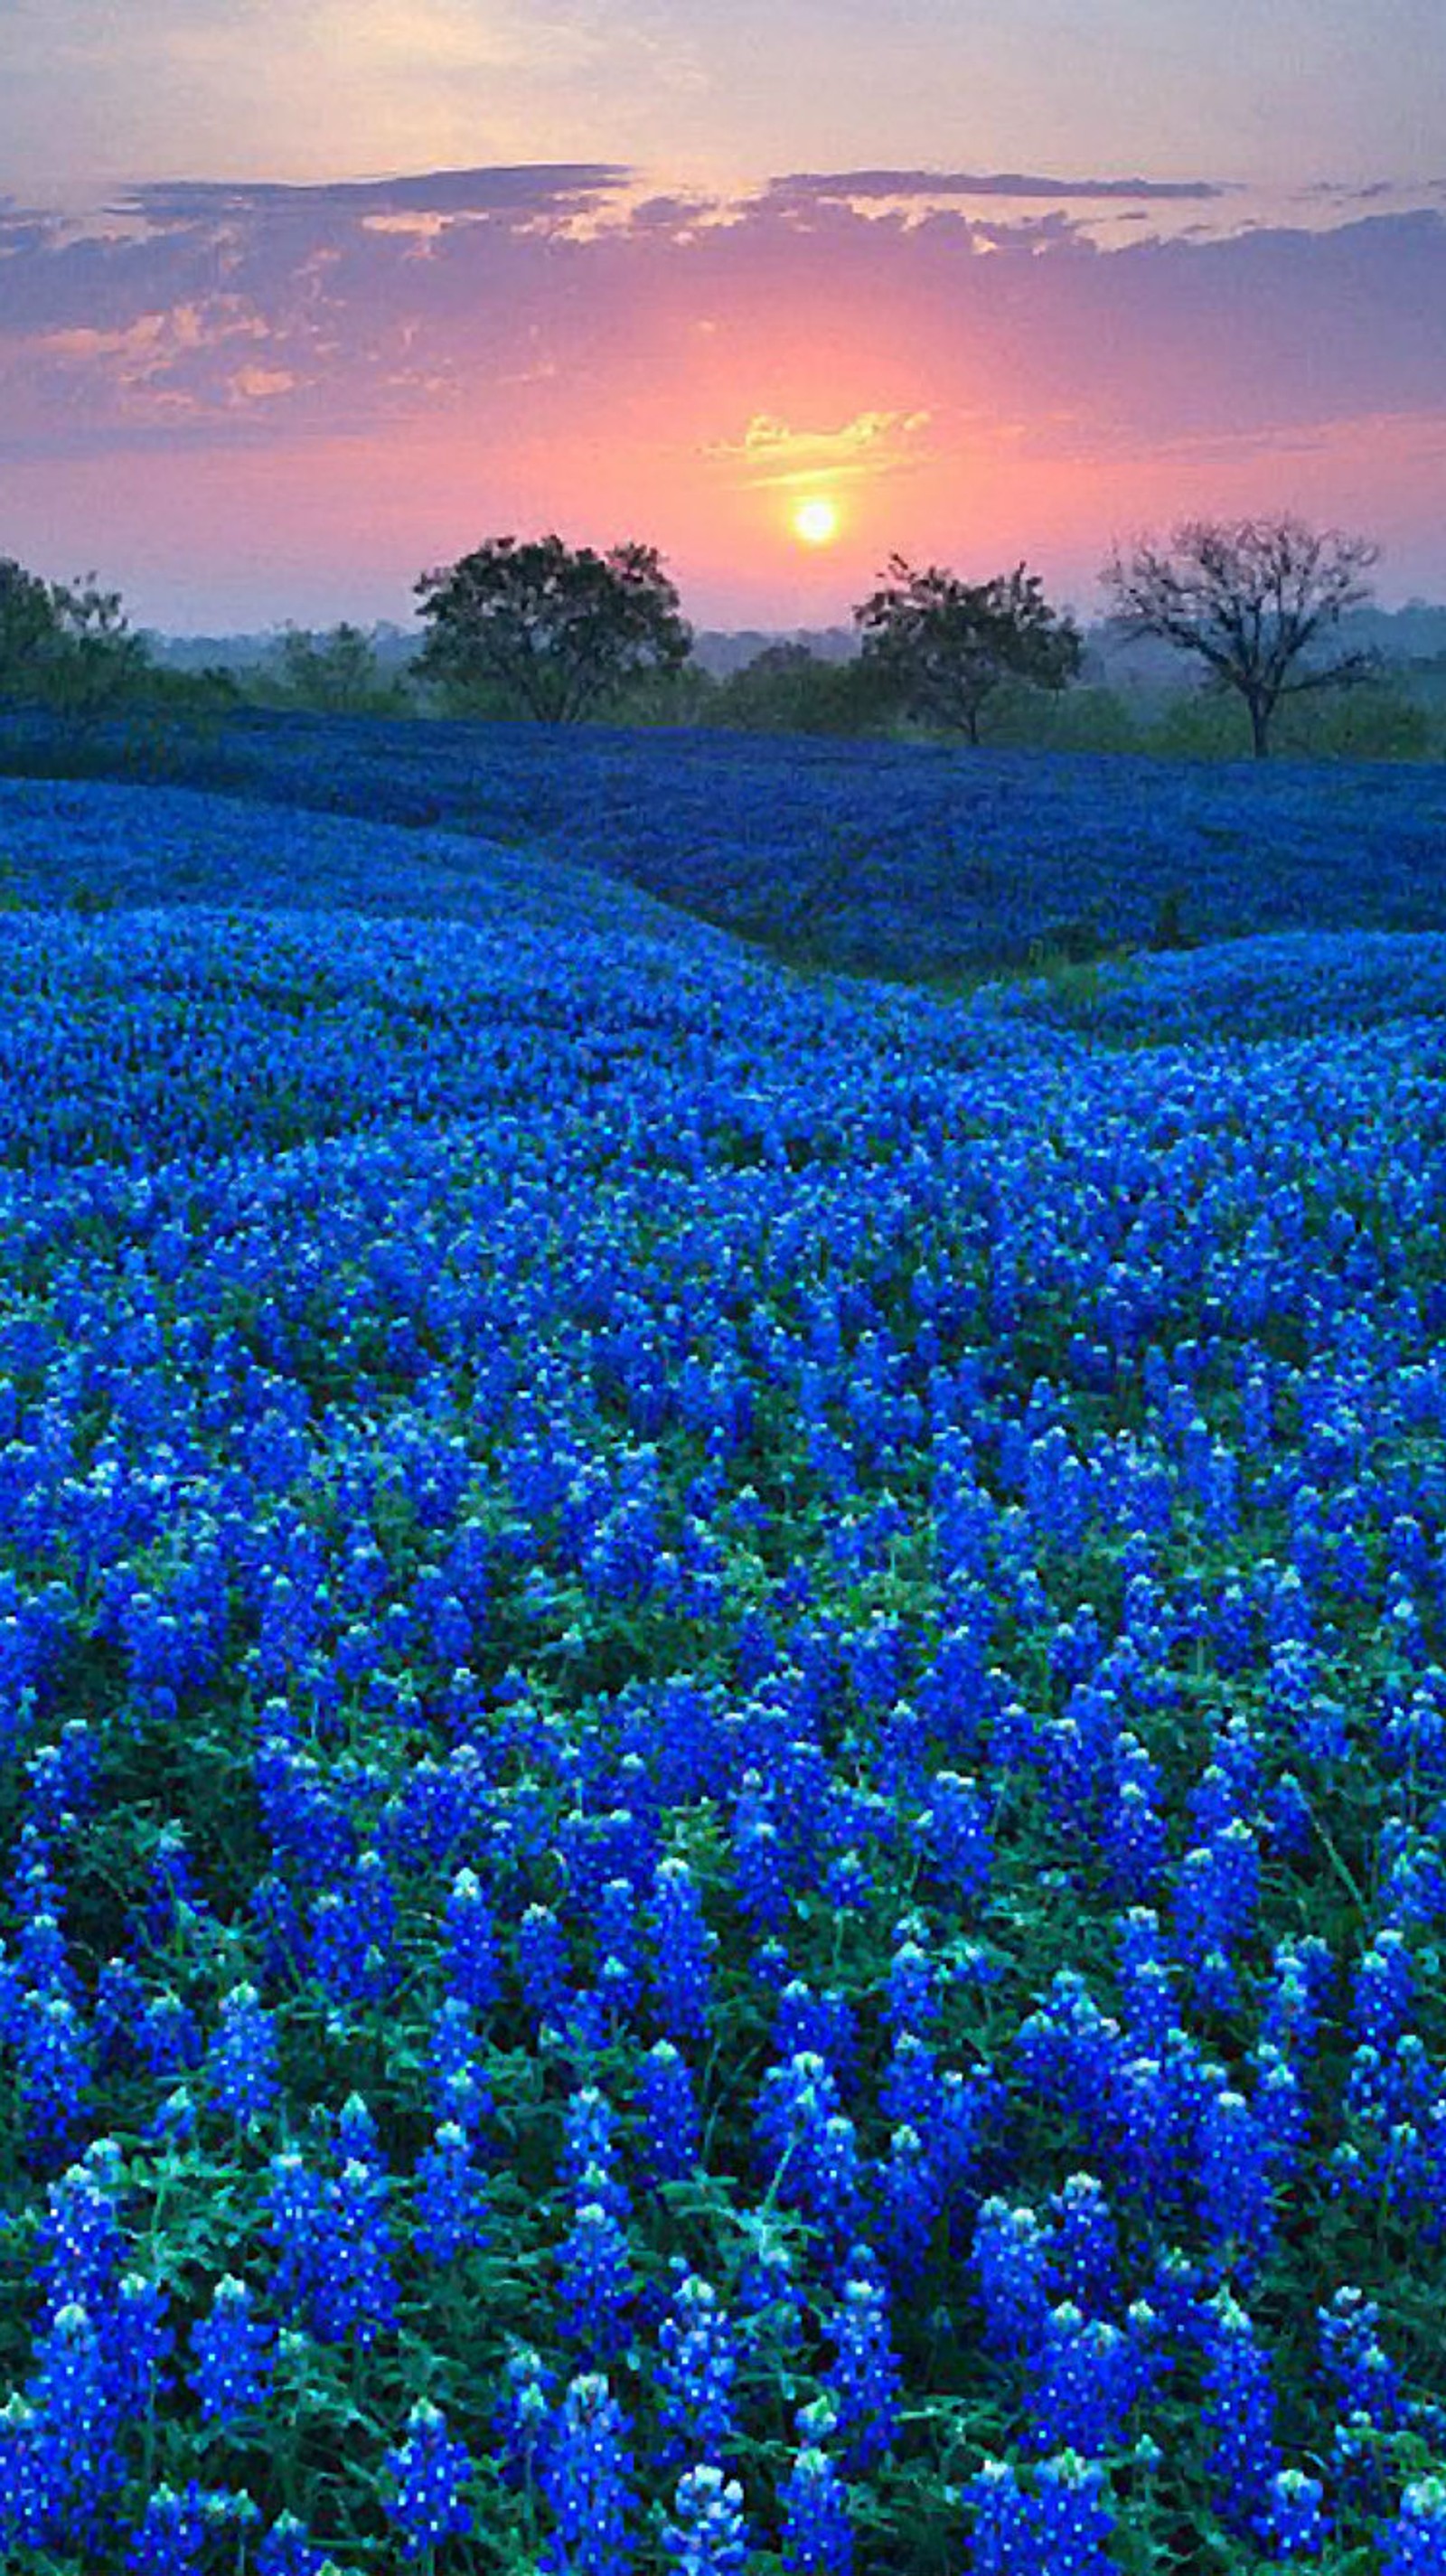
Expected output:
{"points": [[70, 651], [1127, 699]]}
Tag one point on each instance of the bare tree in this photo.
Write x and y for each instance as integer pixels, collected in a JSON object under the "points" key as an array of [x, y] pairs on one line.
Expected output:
{"points": [[1254, 599]]}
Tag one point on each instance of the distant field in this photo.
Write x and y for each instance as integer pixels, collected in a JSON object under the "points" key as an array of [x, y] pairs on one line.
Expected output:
{"points": [[891, 860]]}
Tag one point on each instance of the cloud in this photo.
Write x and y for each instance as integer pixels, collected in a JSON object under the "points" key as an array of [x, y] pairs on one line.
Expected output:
{"points": [[860, 185], [771, 454], [364, 302], [517, 189], [555, 343]]}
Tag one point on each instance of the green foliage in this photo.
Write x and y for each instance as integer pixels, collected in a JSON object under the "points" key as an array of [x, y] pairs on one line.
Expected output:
{"points": [[552, 631], [68, 647], [949, 646], [338, 673], [788, 689]]}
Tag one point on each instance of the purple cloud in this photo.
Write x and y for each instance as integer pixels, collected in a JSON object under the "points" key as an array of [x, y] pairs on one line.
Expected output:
{"points": [[864, 184]]}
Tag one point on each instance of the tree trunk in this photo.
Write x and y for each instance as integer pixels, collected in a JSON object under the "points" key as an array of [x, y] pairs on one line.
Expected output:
{"points": [[1259, 728]]}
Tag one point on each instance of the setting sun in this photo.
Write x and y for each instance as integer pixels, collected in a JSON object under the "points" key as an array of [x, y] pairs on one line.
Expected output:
{"points": [[816, 522]]}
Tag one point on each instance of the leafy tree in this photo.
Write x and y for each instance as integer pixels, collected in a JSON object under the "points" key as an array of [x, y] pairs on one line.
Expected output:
{"points": [[1253, 599], [557, 630], [786, 688], [338, 673], [66, 646], [948, 645], [29, 630], [102, 662]]}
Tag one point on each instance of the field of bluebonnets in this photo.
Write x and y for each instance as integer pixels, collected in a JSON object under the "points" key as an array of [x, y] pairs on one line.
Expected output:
{"points": [[876, 857], [724, 1787]]}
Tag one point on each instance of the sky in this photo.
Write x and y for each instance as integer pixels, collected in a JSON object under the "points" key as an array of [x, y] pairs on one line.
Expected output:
{"points": [[300, 298]]}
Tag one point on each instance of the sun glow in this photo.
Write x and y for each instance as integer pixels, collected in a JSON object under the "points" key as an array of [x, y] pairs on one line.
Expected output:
{"points": [[816, 521]]}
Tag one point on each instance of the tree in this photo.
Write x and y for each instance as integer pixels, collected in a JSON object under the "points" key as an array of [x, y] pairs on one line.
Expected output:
{"points": [[67, 646], [948, 645], [1253, 599], [556, 629], [29, 630], [101, 661], [338, 673], [786, 688]]}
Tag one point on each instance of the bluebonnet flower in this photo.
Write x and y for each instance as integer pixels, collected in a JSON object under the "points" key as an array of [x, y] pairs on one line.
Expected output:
{"points": [[1235, 2173], [682, 1949], [708, 2535], [598, 2287], [75, 2463], [79, 2245], [1003, 2525], [175, 2529], [1133, 1833], [1239, 2412], [810, 2024], [242, 2062], [1293, 2522], [233, 2354], [430, 2471], [139, 2340], [1012, 2256], [619, 1945], [52, 2046], [1383, 1991], [1415, 2540], [956, 1830], [760, 1882], [1280, 2109], [1084, 2253], [811, 2147], [543, 1964], [522, 2419], [356, 2291], [909, 2088], [169, 2036], [818, 2538], [1217, 1893], [587, 2479], [697, 2369], [1074, 2520], [668, 2113], [863, 2379], [451, 2197], [460, 2089], [288, 2550], [912, 1997], [1084, 2378], [1363, 2380], [910, 2196], [591, 2167], [470, 1960]]}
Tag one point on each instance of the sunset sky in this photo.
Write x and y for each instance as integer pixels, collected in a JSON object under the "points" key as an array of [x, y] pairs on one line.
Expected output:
{"points": [[300, 296]]}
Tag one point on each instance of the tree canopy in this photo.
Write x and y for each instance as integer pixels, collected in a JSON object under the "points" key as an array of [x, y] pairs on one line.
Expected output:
{"points": [[949, 644], [1253, 599], [66, 646], [554, 630]]}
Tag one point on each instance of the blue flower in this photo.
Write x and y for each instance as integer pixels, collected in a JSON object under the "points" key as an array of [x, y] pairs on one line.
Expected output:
{"points": [[430, 2472], [708, 2535], [587, 2479], [233, 2354], [818, 2537]]}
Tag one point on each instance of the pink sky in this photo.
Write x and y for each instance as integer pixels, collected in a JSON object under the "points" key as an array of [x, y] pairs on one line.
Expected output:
{"points": [[1129, 292]]}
